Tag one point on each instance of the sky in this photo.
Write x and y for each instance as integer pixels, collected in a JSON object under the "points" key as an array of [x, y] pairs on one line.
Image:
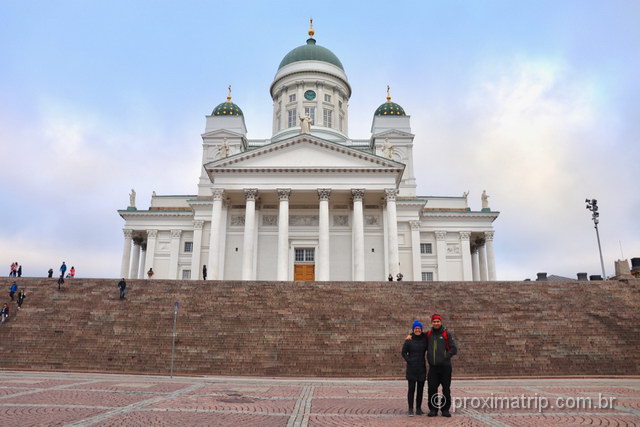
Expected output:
{"points": [[536, 102]]}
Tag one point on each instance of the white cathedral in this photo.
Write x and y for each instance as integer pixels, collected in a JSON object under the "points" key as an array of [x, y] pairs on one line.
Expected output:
{"points": [[309, 203]]}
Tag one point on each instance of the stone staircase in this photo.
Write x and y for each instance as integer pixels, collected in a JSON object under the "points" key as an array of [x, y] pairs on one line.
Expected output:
{"points": [[333, 329]]}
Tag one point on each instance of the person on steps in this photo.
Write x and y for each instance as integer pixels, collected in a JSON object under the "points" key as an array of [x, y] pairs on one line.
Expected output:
{"points": [[122, 285], [413, 351]]}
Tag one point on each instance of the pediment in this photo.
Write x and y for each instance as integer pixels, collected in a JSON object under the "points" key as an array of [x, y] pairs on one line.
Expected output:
{"points": [[393, 133], [221, 133], [305, 152]]}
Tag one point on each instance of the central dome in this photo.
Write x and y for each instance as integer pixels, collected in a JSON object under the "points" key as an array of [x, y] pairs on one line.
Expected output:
{"points": [[311, 52]]}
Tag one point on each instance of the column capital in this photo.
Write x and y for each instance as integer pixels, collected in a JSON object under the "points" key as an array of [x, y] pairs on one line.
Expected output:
{"points": [[465, 235], [390, 194], [152, 234], [357, 193], [250, 193], [415, 225], [324, 193], [218, 193], [284, 193], [127, 233], [488, 235], [197, 225], [441, 235], [175, 234]]}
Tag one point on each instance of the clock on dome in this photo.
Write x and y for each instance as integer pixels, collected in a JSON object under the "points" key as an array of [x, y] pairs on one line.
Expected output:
{"points": [[310, 95]]}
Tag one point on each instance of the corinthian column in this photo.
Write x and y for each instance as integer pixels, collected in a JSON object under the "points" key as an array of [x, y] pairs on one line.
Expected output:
{"points": [[475, 267], [214, 236], [126, 253], [491, 260], [482, 255], [249, 228], [283, 234], [135, 261], [196, 249], [152, 235], [174, 253], [467, 270], [324, 269], [441, 255], [392, 219], [358, 234], [416, 259]]}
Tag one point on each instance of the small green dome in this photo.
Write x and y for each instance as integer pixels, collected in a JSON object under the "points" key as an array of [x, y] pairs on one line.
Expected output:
{"points": [[227, 108], [311, 52], [389, 109]]}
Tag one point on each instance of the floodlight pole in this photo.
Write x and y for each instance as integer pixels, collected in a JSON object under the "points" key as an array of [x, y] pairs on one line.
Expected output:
{"points": [[173, 343], [592, 205]]}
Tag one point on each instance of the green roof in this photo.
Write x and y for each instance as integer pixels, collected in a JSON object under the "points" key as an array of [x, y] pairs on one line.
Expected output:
{"points": [[311, 52], [227, 108], [389, 109]]}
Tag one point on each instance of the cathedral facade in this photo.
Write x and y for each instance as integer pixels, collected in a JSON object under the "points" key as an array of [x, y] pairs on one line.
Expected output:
{"points": [[309, 203]]}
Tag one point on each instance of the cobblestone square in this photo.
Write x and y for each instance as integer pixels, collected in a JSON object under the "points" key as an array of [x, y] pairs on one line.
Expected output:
{"points": [[78, 399]]}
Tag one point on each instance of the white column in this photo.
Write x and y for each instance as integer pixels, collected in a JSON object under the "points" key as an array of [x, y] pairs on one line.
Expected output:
{"points": [[213, 268], [358, 234], [126, 253], [196, 250], [392, 222], [467, 270], [491, 260], [483, 261], [474, 264], [324, 269], [283, 234], [249, 225], [416, 258], [441, 255], [135, 259], [143, 258], [174, 253], [151, 250]]}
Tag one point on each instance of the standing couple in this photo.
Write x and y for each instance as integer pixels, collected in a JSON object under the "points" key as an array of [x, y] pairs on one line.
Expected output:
{"points": [[439, 346]]}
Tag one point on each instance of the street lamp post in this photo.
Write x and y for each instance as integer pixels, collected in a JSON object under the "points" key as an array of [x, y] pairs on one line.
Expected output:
{"points": [[592, 205]]}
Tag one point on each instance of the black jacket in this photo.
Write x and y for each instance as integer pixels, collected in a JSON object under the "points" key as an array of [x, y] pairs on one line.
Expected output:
{"points": [[437, 353], [413, 353], [122, 284]]}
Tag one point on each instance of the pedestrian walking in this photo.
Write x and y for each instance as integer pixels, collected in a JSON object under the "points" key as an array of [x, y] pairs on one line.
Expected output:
{"points": [[60, 281], [12, 290], [21, 297], [20, 270], [50, 273], [63, 269], [413, 351], [4, 314], [72, 272], [204, 272], [390, 278], [122, 285], [150, 273]]}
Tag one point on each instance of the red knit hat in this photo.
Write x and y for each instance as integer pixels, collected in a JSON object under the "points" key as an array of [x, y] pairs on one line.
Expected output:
{"points": [[436, 316]]}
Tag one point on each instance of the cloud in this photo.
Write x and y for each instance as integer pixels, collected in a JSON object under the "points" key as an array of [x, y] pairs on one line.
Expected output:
{"points": [[530, 132]]}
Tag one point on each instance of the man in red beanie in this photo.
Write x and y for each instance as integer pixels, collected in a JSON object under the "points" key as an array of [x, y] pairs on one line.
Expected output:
{"points": [[440, 348]]}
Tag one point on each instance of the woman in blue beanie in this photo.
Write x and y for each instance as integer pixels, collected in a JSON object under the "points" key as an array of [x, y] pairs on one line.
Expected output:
{"points": [[413, 352]]}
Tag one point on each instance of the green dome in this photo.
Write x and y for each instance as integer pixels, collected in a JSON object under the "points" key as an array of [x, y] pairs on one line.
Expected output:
{"points": [[389, 109], [311, 52], [227, 109]]}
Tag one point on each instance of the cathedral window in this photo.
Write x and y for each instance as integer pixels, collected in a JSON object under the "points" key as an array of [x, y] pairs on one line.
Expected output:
{"points": [[341, 122], [291, 117], [311, 112], [292, 98], [427, 276], [328, 117], [327, 98], [340, 104], [186, 274], [425, 248], [305, 255], [188, 246]]}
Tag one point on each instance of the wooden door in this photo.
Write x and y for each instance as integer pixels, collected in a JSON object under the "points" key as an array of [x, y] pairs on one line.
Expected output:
{"points": [[304, 272]]}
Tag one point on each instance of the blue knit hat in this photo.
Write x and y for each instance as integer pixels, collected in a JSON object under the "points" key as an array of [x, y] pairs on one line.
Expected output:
{"points": [[416, 324]]}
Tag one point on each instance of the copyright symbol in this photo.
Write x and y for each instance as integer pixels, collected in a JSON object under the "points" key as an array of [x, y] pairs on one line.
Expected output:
{"points": [[438, 400]]}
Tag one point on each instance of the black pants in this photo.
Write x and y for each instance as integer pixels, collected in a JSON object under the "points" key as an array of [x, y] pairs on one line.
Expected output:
{"points": [[412, 391], [122, 293], [439, 375]]}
